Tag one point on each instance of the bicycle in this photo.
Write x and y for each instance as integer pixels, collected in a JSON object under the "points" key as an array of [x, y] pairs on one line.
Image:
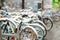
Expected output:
{"points": [[46, 20]]}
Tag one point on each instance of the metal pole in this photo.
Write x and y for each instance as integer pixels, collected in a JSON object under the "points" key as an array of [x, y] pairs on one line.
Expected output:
{"points": [[42, 4], [23, 1]]}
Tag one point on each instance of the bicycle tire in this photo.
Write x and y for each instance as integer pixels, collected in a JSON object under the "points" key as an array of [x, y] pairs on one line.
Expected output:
{"points": [[46, 18], [28, 27], [38, 28], [45, 29], [5, 19], [42, 24], [56, 18]]}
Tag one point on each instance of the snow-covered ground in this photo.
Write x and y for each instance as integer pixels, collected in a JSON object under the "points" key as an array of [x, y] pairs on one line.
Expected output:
{"points": [[54, 34]]}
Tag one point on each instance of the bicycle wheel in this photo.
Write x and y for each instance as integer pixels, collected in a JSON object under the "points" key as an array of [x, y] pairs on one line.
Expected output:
{"points": [[28, 33], [49, 23], [7, 26], [43, 26], [56, 18], [40, 28]]}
